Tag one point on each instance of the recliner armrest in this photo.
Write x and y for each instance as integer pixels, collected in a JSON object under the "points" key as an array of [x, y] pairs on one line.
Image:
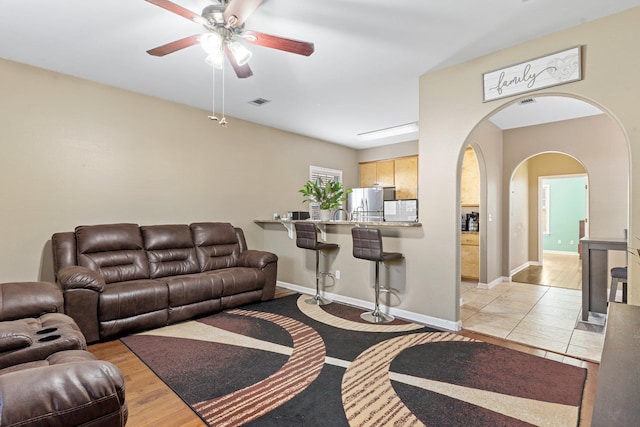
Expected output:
{"points": [[77, 277], [256, 259], [14, 335], [29, 299]]}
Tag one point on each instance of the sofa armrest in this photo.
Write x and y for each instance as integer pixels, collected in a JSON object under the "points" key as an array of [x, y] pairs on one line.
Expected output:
{"points": [[29, 299], [82, 288], [77, 277], [70, 388], [256, 259], [267, 262]]}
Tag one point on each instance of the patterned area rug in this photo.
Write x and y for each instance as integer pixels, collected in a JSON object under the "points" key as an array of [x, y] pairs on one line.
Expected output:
{"points": [[288, 363]]}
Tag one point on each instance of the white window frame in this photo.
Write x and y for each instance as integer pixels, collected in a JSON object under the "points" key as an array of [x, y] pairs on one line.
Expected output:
{"points": [[325, 174], [544, 207]]}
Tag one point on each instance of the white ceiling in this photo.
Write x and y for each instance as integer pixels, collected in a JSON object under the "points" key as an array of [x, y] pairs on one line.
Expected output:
{"points": [[363, 75], [542, 109]]}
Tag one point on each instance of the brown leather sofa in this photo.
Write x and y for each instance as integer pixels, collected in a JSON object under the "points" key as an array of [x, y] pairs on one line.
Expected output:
{"points": [[46, 376], [122, 278]]}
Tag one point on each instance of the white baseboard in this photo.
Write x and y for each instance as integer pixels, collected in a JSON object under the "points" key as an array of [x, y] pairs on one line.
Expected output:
{"points": [[494, 282], [561, 252], [368, 305], [523, 266]]}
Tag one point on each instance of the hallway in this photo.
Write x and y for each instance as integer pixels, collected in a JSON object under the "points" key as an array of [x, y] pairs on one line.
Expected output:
{"points": [[540, 315]]}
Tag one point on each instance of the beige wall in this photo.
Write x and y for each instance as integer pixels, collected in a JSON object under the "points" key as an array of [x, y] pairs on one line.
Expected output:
{"points": [[518, 218], [544, 165], [391, 151], [75, 152], [599, 144], [486, 140], [451, 107]]}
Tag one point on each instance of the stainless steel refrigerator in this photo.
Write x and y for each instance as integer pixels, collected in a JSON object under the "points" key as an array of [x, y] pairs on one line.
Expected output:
{"points": [[367, 204]]}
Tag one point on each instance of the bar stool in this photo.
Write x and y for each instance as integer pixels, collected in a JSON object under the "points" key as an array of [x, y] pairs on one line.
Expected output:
{"points": [[618, 274], [367, 244], [307, 238]]}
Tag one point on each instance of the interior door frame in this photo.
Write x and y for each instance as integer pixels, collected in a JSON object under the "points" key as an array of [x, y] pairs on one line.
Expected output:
{"points": [[539, 210]]}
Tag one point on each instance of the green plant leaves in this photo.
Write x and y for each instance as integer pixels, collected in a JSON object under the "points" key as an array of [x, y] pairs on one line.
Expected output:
{"points": [[330, 195]]}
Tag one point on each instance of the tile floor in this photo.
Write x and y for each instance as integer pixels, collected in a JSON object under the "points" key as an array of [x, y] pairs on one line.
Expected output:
{"points": [[540, 316]]}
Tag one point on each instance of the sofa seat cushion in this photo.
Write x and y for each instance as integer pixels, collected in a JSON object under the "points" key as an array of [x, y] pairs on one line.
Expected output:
{"points": [[45, 335], [193, 288], [128, 299], [238, 279]]}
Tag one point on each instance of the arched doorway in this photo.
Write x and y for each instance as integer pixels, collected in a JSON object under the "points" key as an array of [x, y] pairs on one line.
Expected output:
{"points": [[596, 141], [548, 195]]}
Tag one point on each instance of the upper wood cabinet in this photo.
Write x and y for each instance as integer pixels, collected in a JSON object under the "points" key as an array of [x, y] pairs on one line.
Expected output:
{"points": [[385, 173], [406, 177], [368, 174], [470, 179], [401, 173]]}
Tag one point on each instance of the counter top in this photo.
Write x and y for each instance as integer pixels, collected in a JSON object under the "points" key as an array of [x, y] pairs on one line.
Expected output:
{"points": [[351, 223], [616, 401]]}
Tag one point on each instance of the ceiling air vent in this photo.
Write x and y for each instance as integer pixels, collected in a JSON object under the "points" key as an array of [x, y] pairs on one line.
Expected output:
{"points": [[259, 102], [527, 101]]}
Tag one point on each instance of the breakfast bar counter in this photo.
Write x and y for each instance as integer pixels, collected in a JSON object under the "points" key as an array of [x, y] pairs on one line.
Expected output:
{"points": [[288, 224]]}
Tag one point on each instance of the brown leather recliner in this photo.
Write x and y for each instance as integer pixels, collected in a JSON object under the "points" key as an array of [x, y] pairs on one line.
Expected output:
{"points": [[68, 388], [46, 376], [32, 325]]}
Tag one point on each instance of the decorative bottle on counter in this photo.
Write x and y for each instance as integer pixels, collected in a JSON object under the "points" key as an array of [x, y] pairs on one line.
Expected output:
{"points": [[314, 211]]}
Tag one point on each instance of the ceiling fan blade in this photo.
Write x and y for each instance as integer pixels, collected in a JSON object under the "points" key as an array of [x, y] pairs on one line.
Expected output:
{"points": [[281, 43], [240, 9], [174, 46], [242, 71], [178, 10]]}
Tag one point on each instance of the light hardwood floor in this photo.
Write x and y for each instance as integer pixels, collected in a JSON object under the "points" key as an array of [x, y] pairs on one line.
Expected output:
{"points": [[153, 403], [557, 270]]}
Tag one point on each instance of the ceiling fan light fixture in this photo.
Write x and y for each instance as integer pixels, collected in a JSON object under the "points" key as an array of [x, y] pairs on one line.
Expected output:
{"points": [[241, 54], [216, 60], [211, 42]]}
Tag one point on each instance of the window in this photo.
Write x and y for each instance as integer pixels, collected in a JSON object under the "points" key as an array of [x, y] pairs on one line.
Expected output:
{"points": [[324, 174], [544, 209]]}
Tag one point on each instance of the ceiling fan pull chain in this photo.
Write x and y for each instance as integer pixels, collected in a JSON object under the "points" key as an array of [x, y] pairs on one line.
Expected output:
{"points": [[213, 95], [223, 120]]}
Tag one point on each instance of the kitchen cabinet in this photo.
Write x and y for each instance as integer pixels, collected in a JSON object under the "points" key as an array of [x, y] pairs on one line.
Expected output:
{"points": [[470, 256], [380, 173], [401, 173], [368, 174], [406, 177], [470, 179]]}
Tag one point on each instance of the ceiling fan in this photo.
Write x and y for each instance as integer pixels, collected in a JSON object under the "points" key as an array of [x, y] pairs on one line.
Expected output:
{"points": [[224, 22]]}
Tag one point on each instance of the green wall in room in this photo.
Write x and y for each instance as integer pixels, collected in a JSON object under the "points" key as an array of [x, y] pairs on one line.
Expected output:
{"points": [[567, 206]]}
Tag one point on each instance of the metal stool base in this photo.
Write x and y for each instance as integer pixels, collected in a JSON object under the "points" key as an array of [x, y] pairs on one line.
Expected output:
{"points": [[317, 300], [373, 317]]}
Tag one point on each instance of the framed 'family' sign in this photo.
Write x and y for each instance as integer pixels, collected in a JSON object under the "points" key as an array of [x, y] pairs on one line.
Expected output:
{"points": [[551, 70]]}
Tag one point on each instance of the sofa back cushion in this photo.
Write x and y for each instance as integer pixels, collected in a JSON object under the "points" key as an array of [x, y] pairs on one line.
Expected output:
{"points": [[116, 251], [216, 245], [64, 250], [170, 250]]}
